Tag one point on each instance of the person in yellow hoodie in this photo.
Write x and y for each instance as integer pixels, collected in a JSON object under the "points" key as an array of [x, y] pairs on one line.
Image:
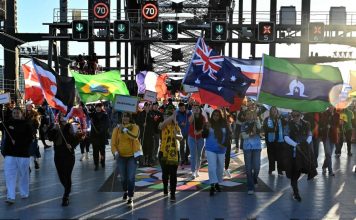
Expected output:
{"points": [[127, 150]]}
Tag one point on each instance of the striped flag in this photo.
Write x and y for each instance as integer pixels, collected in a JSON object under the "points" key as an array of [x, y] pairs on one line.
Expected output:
{"points": [[301, 87], [252, 69], [58, 90], [147, 80]]}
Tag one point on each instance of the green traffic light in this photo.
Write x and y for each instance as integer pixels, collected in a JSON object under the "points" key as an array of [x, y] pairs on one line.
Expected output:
{"points": [[219, 29], [79, 27], [169, 28], [121, 28]]}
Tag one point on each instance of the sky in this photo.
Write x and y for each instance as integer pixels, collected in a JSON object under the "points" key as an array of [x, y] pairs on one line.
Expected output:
{"points": [[33, 13]]}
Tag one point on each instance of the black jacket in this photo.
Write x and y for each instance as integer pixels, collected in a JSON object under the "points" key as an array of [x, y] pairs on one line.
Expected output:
{"points": [[21, 132], [56, 136]]}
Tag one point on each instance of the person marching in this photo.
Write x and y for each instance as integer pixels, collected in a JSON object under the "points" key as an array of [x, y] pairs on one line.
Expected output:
{"points": [[273, 129], [126, 148], [169, 152], [250, 133], [65, 137], [216, 134], [195, 139], [18, 133], [299, 155], [34, 119]]}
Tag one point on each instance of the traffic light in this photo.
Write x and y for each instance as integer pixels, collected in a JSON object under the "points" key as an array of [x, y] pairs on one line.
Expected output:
{"points": [[218, 31], [316, 32], [80, 30], [266, 31], [122, 30], [169, 30]]}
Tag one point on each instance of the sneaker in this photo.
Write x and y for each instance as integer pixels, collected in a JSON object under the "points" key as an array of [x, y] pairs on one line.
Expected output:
{"points": [[37, 166], [24, 197], [227, 174], [87, 156], [297, 197], [349, 154], [124, 197], [82, 157], [324, 171], [10, 201], [194, 175], [250, 192], [173, 198], [197, 173], [337, 155], [129, 202], [331, 174]]}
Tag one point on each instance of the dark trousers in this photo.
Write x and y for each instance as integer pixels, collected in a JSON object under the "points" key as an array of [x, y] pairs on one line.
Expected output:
{"points": [[295, 174], [147, 147], [274, 153], [96, 149], [227, 156], [316, 143], [237, 136], [156, 138], [43, 135], [64, 165], [84, 145], [184, 149], [347, 138], [169, 172]]}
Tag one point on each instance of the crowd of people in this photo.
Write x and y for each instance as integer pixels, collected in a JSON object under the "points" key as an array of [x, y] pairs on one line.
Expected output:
{"points": [[172, 135]]}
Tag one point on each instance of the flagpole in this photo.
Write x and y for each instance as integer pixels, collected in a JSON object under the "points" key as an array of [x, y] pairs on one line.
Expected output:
{"points": [[260, 78]]}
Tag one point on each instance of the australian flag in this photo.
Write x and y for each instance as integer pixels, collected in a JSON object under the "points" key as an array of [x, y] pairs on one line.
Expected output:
{"points": [[210, 71]]}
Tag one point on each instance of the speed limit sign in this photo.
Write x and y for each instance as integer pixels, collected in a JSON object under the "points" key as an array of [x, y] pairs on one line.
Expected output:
{"points": [[101, 10], [150, 11]]}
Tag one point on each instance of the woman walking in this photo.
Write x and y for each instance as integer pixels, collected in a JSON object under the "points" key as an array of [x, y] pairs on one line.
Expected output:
{"points": [[18, 140], [195, 139], [65, 137], [126, 148], [216, 135], [250, 132], [169, 152]]}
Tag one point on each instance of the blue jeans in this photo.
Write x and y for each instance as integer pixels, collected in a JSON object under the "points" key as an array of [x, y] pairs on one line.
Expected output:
{"points": [[196, 148], [328, 151], [215, 166], [127, 168], [252, 165]]}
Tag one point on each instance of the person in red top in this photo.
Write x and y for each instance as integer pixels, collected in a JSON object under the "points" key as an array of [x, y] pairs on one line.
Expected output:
{"points": [[195, 139]]}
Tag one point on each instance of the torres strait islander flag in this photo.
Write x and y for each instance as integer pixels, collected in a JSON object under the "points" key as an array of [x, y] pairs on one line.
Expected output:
{"points": [[147, 80], [301, 87], [58, 90], [33, 90]]}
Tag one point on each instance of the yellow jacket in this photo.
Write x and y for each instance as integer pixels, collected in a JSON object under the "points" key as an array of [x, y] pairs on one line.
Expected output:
{"points": [[126, 144]]}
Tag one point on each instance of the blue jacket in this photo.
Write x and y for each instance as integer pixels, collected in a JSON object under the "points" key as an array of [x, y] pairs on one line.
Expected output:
{"points": [[183, 122], [211, 143]]}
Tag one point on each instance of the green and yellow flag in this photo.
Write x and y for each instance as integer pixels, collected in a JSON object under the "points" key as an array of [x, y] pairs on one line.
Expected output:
{"points": [[103, 86]]}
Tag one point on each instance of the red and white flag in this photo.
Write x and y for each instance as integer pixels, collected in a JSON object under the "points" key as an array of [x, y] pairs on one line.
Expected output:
{"points": [[33, 88], [58, 90]]}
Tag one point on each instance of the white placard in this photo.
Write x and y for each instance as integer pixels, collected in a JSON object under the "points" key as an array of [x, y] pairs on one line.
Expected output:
{"points": [[189, 89], [125, 103], [4, 98], [150, 96]]}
